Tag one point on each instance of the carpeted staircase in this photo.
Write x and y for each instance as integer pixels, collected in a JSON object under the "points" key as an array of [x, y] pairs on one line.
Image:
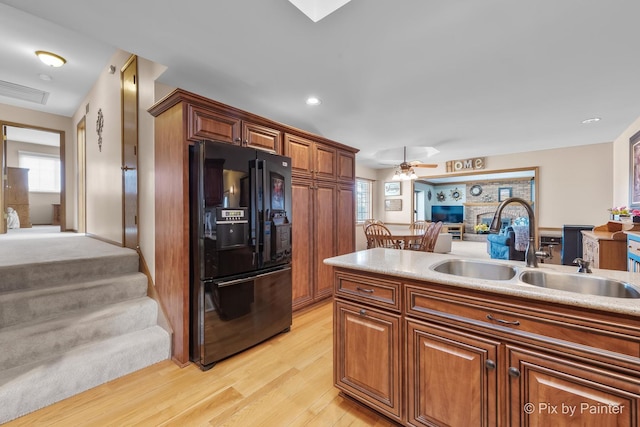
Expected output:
{"points": [[70, 325]]}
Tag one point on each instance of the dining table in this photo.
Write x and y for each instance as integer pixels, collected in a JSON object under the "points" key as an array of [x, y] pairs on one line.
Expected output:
{"points": [[405, 234]]}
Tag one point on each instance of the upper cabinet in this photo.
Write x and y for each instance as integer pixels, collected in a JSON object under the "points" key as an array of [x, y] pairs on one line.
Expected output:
{"points": [[204, 123], [317, 160]]}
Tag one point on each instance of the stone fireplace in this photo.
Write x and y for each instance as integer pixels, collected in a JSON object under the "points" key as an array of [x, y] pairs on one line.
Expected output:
{"points": [[477, 213]]}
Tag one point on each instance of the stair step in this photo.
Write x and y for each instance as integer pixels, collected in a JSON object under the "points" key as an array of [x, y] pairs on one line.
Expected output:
{"points": [[29, 387], [42, 340], [51, 273], [39, 304]]}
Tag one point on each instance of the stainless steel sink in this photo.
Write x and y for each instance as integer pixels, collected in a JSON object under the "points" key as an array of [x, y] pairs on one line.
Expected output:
{"points": [[581, 284], [476, 269]]}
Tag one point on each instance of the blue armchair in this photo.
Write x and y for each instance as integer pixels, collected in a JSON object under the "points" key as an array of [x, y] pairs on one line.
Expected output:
{"points": [[503, 245]]}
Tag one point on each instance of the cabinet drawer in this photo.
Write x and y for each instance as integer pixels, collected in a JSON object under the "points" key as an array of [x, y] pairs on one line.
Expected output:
{"points": [[371, 289], [508, 319]]}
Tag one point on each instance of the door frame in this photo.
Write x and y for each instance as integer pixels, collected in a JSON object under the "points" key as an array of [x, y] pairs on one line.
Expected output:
{"points": [[63, 181], [81, 150]]}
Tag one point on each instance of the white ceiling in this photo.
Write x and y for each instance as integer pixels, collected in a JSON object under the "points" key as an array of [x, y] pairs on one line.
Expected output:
{"points": [[470, 78]]}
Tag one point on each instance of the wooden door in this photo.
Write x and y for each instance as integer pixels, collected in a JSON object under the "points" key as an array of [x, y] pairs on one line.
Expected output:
{"points": [[545, 390], [325, 236], [130, 152], [451, 377], [367, 356], [302, 243]]}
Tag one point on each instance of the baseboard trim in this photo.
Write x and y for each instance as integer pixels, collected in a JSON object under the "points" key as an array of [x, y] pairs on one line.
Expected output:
{"points": [[102, 239]]}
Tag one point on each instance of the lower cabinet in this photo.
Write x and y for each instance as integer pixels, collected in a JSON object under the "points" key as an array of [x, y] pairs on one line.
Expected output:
{"points": [[544, 390], [432, 360], [367, 343], [451, 377]]}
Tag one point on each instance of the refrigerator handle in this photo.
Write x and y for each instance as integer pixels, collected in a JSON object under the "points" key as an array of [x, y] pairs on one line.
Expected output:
{"points": [[256, 198], [266, 223]]}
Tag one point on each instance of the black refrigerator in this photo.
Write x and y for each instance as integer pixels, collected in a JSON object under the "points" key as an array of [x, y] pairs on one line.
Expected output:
{"points": [[240, 210]]}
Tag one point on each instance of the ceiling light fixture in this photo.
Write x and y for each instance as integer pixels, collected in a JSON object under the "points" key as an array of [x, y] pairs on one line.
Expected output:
{"points": [[51, 59], [312, 100], [591, 120], [406, 171], [318, 9]]}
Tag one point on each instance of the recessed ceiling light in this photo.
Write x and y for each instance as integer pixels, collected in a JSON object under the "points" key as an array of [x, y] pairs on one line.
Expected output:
{"points": [[591, 120], [312, 100], [45, 77], [51, 59]]}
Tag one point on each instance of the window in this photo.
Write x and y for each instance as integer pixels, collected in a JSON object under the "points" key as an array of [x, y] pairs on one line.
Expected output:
{"points": [[44, 171], [363, 199]]}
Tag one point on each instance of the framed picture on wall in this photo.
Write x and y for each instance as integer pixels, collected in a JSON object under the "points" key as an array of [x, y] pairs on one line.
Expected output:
{"points": [[504, 193], [393, 205], [634, 171], [392, 189]]}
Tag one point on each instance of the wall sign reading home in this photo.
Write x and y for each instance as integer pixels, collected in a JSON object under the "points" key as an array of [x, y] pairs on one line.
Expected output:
{"points": [[465, 165]]}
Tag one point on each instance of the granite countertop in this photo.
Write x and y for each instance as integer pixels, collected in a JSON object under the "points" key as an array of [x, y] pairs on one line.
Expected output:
{"points": [[416, 265]]}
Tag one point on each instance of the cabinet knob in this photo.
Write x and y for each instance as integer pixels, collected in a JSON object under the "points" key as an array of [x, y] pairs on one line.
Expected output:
{"points": [[363, 312], [490, 364], [514, 372]]}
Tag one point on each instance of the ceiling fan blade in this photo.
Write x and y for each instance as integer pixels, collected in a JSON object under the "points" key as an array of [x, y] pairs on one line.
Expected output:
{"points": [[424, 165]]}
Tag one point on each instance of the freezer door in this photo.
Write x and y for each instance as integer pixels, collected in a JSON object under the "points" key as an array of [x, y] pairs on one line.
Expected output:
{"points": [[241, 313]]}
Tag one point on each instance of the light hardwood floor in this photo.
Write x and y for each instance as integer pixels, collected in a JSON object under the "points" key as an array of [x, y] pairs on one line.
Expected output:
{"points": [[286, 381]]}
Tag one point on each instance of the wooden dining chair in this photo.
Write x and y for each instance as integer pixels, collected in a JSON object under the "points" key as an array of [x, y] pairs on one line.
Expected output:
{"points": [[380, 236], [428, 241], [420, 225], [368, 222]]}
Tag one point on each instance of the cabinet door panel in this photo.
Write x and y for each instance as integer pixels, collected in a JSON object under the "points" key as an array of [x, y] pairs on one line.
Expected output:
{"points": [[261, 137], [448, 378], [547, 391], [206, 124], [346, 166], [325, 237], [325, 162], [302, 248], [367, 356], [301, 152], [346, 219]]}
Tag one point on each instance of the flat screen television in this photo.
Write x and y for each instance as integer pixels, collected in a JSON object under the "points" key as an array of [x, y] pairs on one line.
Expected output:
{"points": [[450, 214]]}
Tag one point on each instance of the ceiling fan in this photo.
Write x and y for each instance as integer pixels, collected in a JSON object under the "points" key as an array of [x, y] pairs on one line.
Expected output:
{"points": [[406, 171]]}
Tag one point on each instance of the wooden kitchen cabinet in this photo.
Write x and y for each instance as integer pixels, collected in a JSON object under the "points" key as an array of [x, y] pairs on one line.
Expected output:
{"points": [[367, 343], [310, 159], [546, 390], [183, 118], [485, 359], [449, 369], [316, 240], [206, 123]]}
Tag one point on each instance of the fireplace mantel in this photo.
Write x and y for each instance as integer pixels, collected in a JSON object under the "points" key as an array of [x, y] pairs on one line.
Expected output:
{"points": [[490, 203]]}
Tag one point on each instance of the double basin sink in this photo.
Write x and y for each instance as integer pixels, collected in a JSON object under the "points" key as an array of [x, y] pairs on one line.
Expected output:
{"points": [[580, 283]]}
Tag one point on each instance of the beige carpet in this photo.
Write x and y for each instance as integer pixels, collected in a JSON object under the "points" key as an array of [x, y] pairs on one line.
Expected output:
{"points": [[46, 244]]}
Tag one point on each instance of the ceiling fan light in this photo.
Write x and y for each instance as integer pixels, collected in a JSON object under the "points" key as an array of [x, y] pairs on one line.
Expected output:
{"points": [[50, 59], [396, 176]]}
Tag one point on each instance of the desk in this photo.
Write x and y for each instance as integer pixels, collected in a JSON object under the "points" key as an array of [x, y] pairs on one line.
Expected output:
{"points": [[404, 234]]}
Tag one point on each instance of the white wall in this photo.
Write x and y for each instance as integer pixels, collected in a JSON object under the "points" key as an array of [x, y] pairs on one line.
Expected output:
{"points": [[621, 168], [574, 184]]}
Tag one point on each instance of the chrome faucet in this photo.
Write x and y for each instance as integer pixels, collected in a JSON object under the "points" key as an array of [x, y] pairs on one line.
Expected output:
{"points": [[583, 266], [531, 256]]}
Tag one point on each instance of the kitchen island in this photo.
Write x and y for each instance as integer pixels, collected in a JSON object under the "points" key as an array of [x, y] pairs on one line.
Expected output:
{"points": [[430, 348]]}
